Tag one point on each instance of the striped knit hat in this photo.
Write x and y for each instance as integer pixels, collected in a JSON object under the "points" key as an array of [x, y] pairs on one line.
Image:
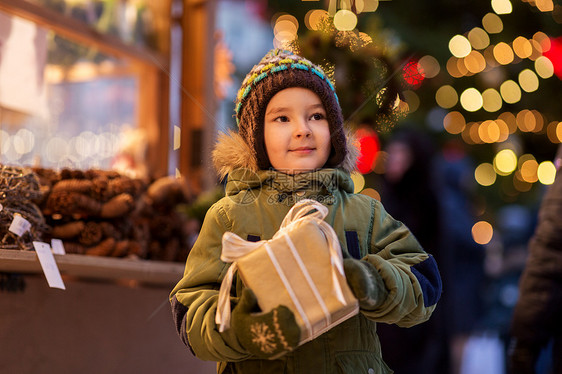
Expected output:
{"points": [[277, 70]]}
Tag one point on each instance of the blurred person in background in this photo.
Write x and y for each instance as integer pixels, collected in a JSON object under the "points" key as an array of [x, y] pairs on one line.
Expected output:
{"points": [[408, 193], [461, 258], [537, 317]]}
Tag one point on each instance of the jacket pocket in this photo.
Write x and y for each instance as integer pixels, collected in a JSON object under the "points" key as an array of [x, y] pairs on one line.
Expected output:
{"points": [[361, 362]]}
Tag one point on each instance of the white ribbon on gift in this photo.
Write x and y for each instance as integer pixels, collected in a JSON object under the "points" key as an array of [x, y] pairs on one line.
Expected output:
{"points": [[234, 247]]}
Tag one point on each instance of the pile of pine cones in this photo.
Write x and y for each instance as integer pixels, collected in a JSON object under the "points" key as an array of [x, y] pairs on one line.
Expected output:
{"points": [[103, 213]]}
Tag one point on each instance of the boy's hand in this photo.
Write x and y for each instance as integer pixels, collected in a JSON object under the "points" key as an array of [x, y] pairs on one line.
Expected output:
{"points": [[365, 282], [264, 334]]}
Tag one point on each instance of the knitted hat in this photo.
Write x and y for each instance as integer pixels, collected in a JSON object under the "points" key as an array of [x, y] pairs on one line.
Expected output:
{"points": [[277, 70]]}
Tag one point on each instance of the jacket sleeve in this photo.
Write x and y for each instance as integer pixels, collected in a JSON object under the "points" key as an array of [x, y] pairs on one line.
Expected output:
{"points": [[410, 275], [194, 299]]}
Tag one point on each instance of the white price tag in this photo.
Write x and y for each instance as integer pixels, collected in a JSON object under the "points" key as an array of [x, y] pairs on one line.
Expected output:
{"points": [[58, 247], [19, 225], [50, 268]]}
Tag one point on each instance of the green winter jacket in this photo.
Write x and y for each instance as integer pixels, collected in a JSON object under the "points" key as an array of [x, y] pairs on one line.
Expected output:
{"points": [[256, 202]]}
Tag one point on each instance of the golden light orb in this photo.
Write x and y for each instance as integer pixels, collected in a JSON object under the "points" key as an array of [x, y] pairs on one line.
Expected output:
{"points": [[446, 97], [491, 100], [522, 47], [345, 20], [510, 91], [544, 67], [503, 53], [502, 6], [478, 38], [429, 65], [475, 62], [529, 170], [358, 182], [528, 80], [471, 100], [505, 162], [484, 174], [459, 46], [482, 232], [454, 123], [492, 23], [546, 172]]}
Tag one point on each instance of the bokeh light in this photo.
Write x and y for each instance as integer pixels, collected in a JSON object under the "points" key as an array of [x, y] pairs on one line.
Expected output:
{"points": [[412, 73], [482, 232], [503, 53], [358, 182], [475, 62], [23, 141], [543, 40], [484, 174], [345, 20], [429, 66], [522, 47], [471, 100], [510, 91], [372, 193], [454, 123], [502, 6], [412, 99], [529, 170], [446, 97], [505, 162], [527, 121], [285, 29], [491, 100], [546, 172], [369, 146], [528, 80], [56, 150], [4, 141], [489, 131], [544, 67], [544, 5], [459, 46], [509, 119], [492, 23], [478, 38], [554, 131], [314, 17]]}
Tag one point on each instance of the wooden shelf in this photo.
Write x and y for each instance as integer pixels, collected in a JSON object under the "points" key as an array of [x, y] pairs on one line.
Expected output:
{"points": [[157, 273]]}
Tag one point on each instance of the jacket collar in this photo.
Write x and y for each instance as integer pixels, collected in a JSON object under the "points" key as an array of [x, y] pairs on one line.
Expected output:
{"points": [[232, 152], [320, 181]]}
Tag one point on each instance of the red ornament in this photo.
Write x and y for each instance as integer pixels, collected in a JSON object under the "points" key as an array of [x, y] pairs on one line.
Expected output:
{"points": [[413, 74], [554, 54], [369, 148]]}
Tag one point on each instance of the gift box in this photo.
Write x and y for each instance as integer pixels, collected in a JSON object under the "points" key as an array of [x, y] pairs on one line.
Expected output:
{"points": [[301, 267]]}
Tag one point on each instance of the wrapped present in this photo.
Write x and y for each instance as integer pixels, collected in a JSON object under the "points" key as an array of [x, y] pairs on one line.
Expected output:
{"points": [[301, 267]]}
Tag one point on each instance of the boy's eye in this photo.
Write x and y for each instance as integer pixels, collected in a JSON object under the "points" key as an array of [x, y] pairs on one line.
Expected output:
{"points": [[317, 116]]}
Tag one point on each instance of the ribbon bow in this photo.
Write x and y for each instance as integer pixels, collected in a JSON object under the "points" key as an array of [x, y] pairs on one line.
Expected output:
{"points": [[234, 247]]}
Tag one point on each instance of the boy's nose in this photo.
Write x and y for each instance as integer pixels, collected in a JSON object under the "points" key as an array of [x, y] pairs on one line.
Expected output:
{"points": [[302, 129]]}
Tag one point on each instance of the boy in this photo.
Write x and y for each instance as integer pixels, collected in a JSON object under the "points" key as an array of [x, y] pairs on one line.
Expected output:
{"points": [[290, 146]]}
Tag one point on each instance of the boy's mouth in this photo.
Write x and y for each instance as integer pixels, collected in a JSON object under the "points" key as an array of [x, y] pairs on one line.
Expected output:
{"points": [[303, 150]]}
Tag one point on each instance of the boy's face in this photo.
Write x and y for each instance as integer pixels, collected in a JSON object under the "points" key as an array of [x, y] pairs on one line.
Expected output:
{"points": [[296, 131]]}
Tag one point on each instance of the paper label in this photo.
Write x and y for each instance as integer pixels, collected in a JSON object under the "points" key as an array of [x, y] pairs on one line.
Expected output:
{"points": [[50, 268], [19, 225], [58, 247]]}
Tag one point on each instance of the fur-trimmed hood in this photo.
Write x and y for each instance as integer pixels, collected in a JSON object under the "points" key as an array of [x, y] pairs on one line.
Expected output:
{"points": [[232, 152]]}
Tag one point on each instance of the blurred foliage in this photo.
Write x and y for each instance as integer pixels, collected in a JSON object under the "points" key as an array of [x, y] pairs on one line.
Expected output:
{"points": [[367, 78], [425, 29]]}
